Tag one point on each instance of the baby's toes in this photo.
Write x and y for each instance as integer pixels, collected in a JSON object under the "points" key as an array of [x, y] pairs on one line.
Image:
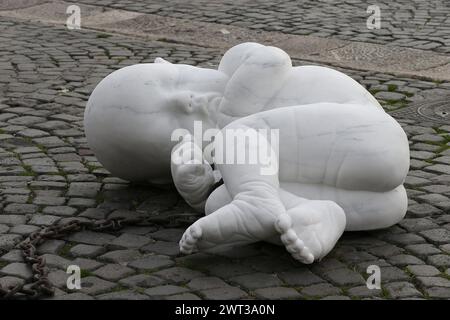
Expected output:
{"points": [[304, 256], [296, 247], [189, 240], [283, 223]]}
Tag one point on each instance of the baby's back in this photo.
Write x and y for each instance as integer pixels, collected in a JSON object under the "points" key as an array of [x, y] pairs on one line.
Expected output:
{"points": [[315, 84]]}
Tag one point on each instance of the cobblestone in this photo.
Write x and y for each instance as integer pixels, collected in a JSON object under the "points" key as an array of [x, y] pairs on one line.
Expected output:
{"points": [[12, 219], [301, 278], [433, 282], [439, 236], [142, 280], [8, 241], [363, 292], [320, 290], [23, 229], [87, 264], [58, 278], [256, 280], [16, 269], [398, 290], [151, 263], [122, 295], [423, 270], [423, 209], [420, 224], [390, 274], [163, 247], [164, 290], [386, 251], [51, 246], [120, 256], [439, 260], [423, 250], [344, 277], [404, 259], [203, 283], [9, 281], [277, 293], [404, 23], [223, 293], [113, 272], [43, 220], [93, 285], [438, 292], [87, 251], [83, 189], [48, 173], [129, 241], [93, 238], [16, 208], [178, 274], [183, 296]]}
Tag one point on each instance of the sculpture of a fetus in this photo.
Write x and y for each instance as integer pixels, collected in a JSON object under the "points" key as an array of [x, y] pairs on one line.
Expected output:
{"points": [[341, 165]]}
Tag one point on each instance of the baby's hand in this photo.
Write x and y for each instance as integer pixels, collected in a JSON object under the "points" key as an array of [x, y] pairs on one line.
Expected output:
{"points": [[192, 175]]}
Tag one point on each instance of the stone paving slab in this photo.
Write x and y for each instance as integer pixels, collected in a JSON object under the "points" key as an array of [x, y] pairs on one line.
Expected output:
{"points": [[407, 23], [350, 54], [17, 4], [47, 74]]}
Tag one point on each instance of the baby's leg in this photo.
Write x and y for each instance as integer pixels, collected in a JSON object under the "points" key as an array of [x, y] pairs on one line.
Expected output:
{"points": [[251, 215], [346, 146], [364, 210], [309, 229], [256, 74], [315, 225], [318, 223], [217, 199]]}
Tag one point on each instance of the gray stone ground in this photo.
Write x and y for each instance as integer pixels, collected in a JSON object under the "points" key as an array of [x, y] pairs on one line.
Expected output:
{"points": [[48, 175], [410, 23]]}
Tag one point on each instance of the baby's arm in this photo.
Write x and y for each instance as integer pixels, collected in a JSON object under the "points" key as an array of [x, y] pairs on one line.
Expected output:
{"points": [[193, 177]]}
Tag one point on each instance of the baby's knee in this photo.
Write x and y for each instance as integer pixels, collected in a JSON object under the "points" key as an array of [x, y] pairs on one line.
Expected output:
{"points": [[217, 199]]}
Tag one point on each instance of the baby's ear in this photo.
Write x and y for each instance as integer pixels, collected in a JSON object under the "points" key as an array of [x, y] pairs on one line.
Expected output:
{"points": [[161, 60]]}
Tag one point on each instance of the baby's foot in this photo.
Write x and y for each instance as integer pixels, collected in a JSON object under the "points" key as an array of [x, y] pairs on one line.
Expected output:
{"points": [[310, 230], [220, 229], [191, 236], [245, 220]]}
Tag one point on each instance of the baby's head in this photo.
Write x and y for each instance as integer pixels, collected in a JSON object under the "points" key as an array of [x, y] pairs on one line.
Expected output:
{"points": [[130, 116]]}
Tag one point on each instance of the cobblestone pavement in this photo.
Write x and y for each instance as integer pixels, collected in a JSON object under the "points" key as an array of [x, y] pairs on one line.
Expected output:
{"points": [[411, 23], [48, 175]]}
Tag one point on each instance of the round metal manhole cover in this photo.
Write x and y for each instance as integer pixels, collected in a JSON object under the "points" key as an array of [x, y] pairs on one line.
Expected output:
{"points": [[437, 110]]}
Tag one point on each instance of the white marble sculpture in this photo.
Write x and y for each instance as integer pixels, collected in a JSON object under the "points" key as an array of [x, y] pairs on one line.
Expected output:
{"points": [[342, 159]]}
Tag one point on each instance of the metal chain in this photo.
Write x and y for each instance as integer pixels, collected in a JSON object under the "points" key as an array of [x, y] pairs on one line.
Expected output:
{"points": [[38, 284]]}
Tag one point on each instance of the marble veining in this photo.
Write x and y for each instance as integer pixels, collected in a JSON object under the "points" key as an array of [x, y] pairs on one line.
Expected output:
{"points": [[340, 159]]}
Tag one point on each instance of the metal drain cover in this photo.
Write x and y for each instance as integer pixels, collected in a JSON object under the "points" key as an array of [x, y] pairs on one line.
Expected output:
{"points": [[437, 110]]}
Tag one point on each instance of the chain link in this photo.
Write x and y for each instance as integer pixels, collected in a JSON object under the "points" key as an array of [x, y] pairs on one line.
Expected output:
{"points": [[38, 284]]}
